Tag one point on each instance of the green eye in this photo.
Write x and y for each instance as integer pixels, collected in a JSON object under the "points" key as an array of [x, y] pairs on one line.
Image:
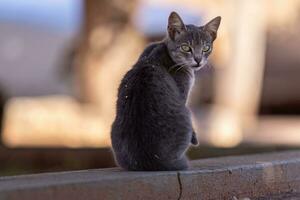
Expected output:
{"points": [[185, 48], [206, 48]]}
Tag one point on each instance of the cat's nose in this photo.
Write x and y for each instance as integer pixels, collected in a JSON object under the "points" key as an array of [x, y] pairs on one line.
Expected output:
{"points": [[198, 60]]}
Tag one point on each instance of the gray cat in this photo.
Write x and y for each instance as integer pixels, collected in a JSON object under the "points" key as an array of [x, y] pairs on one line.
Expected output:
{"points": [[153, 129]]}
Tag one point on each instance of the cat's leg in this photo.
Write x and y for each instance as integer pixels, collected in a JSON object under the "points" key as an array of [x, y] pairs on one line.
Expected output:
{"points": [[194, 139]]}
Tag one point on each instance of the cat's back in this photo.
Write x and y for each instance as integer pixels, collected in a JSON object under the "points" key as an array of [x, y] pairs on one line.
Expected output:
{"points": [[149, 71], [149, 81]]}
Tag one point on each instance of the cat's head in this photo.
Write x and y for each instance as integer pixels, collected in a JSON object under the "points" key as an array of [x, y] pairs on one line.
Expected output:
{"points": [[190, 45]]}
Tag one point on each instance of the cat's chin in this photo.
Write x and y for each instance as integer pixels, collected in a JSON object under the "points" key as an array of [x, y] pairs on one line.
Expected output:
{"points": [[198, 67]]}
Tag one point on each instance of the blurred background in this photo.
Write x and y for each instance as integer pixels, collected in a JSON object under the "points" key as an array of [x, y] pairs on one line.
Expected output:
{"points": [[61, 63]]}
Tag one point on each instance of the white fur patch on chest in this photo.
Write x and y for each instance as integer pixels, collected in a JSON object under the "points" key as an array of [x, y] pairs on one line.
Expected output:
{"points": [[191, 84]]}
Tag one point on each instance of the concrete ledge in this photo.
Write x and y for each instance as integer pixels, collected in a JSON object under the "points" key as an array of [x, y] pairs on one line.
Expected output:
{"points": [[263, 176]]}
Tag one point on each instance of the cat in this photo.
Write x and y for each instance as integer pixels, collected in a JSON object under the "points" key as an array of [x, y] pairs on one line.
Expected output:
{"points": [[152, 129]]}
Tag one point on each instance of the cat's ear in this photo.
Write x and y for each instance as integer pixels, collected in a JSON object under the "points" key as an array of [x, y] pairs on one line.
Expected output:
{"points": [[212, 26], [175, 25]]}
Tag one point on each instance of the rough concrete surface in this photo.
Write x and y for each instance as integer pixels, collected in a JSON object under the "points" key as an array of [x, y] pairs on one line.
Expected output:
{"points": [[264, 176]]}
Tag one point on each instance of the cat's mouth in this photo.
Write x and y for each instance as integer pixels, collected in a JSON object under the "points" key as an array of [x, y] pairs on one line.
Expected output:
{"points": [[197, 67], [200, 65]]}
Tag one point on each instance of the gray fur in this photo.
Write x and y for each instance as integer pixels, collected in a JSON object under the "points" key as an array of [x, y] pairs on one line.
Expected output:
{"points": [[153, 128]]}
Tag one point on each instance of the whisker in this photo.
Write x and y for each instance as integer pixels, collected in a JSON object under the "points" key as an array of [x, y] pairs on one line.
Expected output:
{"points": [[182, 67], [186, 69], [178, 69], [174, 66]]}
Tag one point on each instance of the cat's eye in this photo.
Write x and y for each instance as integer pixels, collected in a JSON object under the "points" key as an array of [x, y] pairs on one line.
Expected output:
{"points": [[185, 48], [206, 48]]}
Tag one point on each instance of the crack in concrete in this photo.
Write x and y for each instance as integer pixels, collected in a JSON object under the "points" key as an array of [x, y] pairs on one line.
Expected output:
{"points": [[180, 185]]}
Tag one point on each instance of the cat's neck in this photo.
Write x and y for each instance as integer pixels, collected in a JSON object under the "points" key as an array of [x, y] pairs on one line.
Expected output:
{"points": [[161, 55], [185, 81], [184, 77]]}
